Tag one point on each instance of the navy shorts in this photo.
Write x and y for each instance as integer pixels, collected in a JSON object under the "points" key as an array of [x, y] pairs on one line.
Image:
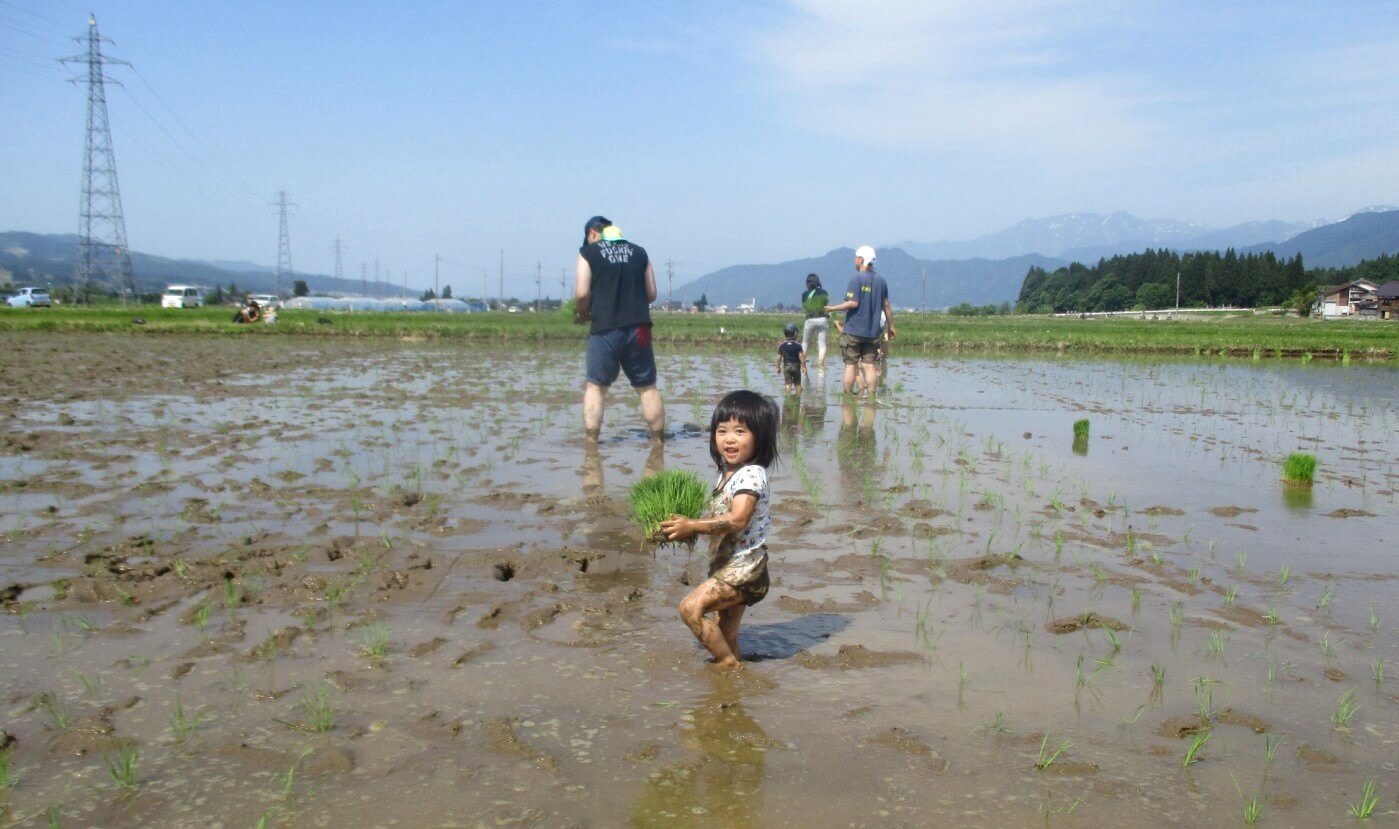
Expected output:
{"points": [[626, 349]]}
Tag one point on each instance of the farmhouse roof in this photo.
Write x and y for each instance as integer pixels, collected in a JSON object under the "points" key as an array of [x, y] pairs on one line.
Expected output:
{"points": [[1389, 290]]}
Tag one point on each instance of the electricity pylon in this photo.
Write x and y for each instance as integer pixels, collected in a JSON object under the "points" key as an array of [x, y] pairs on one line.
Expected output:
{"points": [[283, 244], [103, 255]]}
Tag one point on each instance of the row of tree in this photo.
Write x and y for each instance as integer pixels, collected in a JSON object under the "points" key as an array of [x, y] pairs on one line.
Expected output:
{"points": [[1149, 280]]}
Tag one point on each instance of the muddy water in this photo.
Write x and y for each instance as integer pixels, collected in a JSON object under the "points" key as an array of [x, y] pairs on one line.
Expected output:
{"points": [[239, 528]]}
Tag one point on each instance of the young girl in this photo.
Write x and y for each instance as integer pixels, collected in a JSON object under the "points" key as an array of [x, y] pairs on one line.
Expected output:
{"points": [[743, 443]]}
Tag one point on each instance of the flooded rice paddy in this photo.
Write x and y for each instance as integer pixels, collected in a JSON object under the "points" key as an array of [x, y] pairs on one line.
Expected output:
{"points": [[348, 583]]}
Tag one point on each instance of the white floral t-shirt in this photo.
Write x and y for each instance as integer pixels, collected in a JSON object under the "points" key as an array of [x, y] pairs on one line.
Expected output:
{"points": [[745, 547]]}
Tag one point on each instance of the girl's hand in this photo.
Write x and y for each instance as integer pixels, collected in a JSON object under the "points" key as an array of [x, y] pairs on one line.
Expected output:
{"points": [[678, 528]]}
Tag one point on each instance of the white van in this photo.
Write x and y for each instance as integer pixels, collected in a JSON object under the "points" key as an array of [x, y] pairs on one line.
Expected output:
{"points": [[181, 296]]}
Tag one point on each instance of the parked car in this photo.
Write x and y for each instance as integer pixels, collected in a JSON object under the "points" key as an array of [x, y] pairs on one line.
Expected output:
{"points": [[31, 298], [266, 300], [181, 296]]}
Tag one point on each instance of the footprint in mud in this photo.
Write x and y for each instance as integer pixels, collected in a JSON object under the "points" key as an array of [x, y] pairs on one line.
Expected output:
{"points": [[1069, 624], [906, 742], [853, 657]]}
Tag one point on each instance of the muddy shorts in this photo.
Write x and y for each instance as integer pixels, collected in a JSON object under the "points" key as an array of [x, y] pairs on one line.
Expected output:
{"points": [[621, 349], [858, 349], [792, 374], [750, 580]]}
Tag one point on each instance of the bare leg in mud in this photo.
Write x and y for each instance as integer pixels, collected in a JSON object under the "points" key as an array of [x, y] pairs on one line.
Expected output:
{"points": [[729, 620], [714, 596]]}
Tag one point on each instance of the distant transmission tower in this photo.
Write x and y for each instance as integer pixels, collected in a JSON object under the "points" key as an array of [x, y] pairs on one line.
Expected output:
{"points": [[103, 253], [283, 245], [339, 271]]}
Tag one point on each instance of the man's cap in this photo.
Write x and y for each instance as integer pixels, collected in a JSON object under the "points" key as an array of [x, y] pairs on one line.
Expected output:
{"points": [[790, 329], [866, 253], [612, 233]]}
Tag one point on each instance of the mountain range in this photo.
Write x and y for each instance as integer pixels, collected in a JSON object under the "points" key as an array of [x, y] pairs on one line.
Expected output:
{"points": [[51, 259], [992, 268]]}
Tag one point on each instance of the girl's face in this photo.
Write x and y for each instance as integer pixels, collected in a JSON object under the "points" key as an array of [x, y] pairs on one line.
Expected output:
{"points": [[735, 443]]}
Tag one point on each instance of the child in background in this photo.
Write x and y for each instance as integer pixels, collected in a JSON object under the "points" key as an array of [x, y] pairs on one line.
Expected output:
{"points": [[791, 360], [743, 443]]}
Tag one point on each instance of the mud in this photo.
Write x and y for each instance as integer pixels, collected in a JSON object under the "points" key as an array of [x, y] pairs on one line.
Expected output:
{"points": [[383, 585]]}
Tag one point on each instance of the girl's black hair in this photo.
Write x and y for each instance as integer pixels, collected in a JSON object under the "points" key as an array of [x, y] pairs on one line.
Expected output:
{"points": [[759, 414], [595, 223], [812, 281]]}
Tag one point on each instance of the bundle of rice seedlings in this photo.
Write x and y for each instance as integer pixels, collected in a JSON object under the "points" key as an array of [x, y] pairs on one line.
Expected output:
{"points": [[1299, 468], [1081, 429], [669, 492]]}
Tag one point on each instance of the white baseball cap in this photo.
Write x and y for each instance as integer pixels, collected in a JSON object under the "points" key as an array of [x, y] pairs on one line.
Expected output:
{"points": [[866, 253]]}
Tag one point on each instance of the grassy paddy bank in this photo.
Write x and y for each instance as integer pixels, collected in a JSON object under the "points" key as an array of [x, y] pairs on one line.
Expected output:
{"points": [[1238, 336]]}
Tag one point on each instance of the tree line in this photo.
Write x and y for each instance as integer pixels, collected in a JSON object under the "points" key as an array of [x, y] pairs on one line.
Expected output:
{"points": [[1148, 280]]}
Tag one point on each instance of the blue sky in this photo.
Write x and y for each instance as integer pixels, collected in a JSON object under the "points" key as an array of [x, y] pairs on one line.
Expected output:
{"points": [[714, 136]]}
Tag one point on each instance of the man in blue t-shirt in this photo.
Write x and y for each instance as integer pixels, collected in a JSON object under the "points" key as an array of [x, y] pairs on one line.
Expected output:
{"points": [[865, 297], [614, 288]]}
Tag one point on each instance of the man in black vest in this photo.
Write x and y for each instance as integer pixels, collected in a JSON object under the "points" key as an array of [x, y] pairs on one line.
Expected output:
{"points": [[615, 286]]}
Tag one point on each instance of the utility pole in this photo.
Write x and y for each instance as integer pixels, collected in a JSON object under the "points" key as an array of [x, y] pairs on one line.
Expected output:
{"points": [[923, 304], [103, 253], [436, 291], [363, 278], [339, 272], [538, 284], [502, 277], [405, 286], [284, 272], [563, 286], [1177, 290], [670, 282]]}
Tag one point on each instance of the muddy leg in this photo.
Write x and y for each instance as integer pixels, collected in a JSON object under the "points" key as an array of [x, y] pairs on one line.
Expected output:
{"points": [[729, 620], [710, 596]]}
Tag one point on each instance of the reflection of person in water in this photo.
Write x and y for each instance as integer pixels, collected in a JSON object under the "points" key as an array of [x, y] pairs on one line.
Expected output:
{"points": [[855, 446], [722, 784]]}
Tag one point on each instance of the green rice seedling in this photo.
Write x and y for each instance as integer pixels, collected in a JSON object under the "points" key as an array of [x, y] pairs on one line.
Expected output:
{"points": [[961, 681], [1156, 558], [1284, 573], [1177, 613], [55, 710], [1112, 639], [1136, 599], [1046, 758], [1270, 747], [374, 639], [1272, 617], [1214, 642], [8, 780], [1253, 810], [1374, 619], [1100, 573], [1369, 799], [1158, 675], [1230, 594], [1328, 650], [669, 492], [230, 592], [1131, 719], [121, 767], [1241, 560], [319, 710], [1299, 469], [1192, 753], [201, 614], [1346, 707], [181, 724], [1377, 671], [1195, 574], [1326, 595], [53, 816]]}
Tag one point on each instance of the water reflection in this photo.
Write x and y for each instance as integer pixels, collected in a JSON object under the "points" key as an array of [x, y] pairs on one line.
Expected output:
{"points": [[856, 451], [721, 782], [1297, 497]]}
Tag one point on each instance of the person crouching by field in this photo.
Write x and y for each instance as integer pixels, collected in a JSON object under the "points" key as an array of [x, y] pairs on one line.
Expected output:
{"points": [[252, 312]]}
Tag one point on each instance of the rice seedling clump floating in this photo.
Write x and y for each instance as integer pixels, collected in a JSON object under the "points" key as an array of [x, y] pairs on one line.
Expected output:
{"points": [[669, 492], [1299, 469]]}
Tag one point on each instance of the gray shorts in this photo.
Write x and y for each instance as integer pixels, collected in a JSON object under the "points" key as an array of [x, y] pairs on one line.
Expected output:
{"points": [[621, 349]]}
